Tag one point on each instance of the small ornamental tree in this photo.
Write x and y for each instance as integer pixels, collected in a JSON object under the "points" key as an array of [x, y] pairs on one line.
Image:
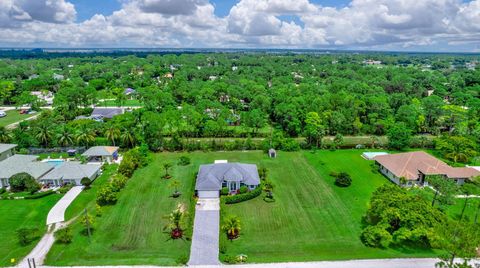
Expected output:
{"points": [[166, 167], [106, 196], [231, 227], [23, 182], [86, 182], [184, 161], [64, 235], [175, 220], [343, 179], [26, 235]]}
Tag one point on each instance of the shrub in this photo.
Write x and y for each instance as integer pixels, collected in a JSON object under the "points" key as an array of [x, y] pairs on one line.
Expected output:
{"points": [[118, 182], [229, 259], [64, 189], [98, 210], [2, 190], [133, 159], [106, 196], [343, 180], [23, 181], [243, 190], [243, 197], [40, 195], [64, 235], [184, 161], [86, 182], [26, 235], [376, 236], [224, 191]]}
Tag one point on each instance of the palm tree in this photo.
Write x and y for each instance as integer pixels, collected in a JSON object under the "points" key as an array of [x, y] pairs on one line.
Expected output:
{"points": [[232, 227], [112, 133], [166, 167], [457, 156], [44, 134], [85, 136], [65, 138], [175, 220], [4, 135], [128, 138]]}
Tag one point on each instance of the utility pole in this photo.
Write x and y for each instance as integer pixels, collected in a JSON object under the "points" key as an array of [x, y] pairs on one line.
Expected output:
{"points": [[87, 222]]}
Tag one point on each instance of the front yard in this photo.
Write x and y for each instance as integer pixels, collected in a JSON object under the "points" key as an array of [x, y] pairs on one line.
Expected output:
{"points": [[22, 214], [312, 219], [13, 116]]}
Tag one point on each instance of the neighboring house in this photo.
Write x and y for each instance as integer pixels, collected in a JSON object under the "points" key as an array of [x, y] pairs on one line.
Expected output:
{"points": [[71, 173], [22, 164], [101, 154], [415, 166], [129, 91], [46, 96], [6, 150], [272, 153], [58, 77], [212, 178], [105, 112]]}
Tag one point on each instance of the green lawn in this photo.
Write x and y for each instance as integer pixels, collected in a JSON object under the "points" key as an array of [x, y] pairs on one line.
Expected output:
{"points": [[312, 219], [131, 232], [13, 116], [17, 214]]}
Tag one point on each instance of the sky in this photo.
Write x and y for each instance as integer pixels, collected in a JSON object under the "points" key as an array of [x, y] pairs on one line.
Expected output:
{"points": [[382, 25]]}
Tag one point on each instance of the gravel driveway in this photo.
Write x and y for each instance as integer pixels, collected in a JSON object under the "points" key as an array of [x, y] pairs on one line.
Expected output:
{"points": [[204, 250]]}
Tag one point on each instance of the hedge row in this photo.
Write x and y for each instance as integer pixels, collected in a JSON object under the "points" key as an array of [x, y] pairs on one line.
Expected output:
{"points": [[40, 195], [232, 199]]}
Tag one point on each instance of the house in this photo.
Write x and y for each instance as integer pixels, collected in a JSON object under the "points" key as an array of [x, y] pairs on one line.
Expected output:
{"points": [[18, 163], [101, 154], [46, 96], [58, 76], [371, 155], [6, 150], [70, 173], [212, 178], [105, 112], [129, 91], [272, 153], [415, 166], [168, 75]]}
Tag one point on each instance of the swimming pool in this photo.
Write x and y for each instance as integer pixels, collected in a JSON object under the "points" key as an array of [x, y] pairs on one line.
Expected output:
{"points": [[54, 162]]}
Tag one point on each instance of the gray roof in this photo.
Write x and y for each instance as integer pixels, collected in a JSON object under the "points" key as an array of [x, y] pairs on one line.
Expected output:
{"points": [[100, 151], [106, 112], [72, 171], [23, 163], [210, 176], [5, 147]]}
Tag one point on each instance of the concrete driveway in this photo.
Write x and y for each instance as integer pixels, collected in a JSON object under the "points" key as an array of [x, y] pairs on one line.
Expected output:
{"points": [[57, 213], [206, 228]]}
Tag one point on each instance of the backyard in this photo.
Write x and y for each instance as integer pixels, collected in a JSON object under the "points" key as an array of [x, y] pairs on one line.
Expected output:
{"points": [[13, 116], [22, 214]]}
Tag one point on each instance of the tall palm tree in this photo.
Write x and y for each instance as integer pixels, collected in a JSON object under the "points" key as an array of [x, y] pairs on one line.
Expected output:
{"points": [[44, 134], [112, 133], [232, 227], [5, 136], [65, 137], [128, 138], [85, 136]]}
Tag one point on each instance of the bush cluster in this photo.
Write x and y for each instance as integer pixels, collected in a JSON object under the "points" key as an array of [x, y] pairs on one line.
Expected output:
{"points": [[184, 161], [39, 195], [133, 159], [64, 235], [343, 179], [23, 182], [243, 197], [27, 235]]}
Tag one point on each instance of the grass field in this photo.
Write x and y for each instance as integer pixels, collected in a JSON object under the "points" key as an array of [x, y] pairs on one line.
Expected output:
{"points": [[13, 116], [312, 219], [131, 232], [16, 214]]}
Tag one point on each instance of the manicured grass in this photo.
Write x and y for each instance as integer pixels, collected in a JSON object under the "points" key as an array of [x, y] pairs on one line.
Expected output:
{"points": [[131, 232], [312, 219], [13, 116], [471, 209], [86, 199], [17, 214]]}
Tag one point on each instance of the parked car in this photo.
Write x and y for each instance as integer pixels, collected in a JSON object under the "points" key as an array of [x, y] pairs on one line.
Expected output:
{"points": [[3, 114]]}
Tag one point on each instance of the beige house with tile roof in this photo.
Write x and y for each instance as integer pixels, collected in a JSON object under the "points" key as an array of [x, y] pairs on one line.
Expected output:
{"points": [[415, 166]]}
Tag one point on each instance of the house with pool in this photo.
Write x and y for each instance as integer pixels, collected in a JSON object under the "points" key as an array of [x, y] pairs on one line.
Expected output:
{"points": [[48, 172], [101, 154]]}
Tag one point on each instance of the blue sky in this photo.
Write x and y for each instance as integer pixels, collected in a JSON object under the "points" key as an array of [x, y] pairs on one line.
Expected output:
{"points": [[87, 8], [399, 25]]}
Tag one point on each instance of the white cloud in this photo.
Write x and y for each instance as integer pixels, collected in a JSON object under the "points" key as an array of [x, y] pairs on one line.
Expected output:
{"points": [[377, 24]]}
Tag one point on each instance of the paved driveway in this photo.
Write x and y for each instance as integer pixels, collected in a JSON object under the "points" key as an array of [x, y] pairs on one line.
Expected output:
{"points": [[204, 250], [57, 213]]}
